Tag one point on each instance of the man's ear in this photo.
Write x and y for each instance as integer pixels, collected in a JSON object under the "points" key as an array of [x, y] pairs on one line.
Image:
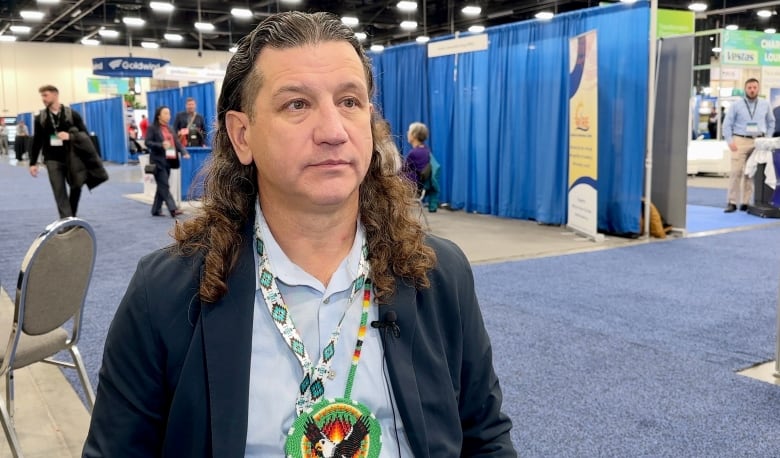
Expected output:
{"points": [[237, 124]]}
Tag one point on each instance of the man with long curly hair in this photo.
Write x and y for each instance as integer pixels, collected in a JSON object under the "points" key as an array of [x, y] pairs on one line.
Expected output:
{"points": [[304, 311]]}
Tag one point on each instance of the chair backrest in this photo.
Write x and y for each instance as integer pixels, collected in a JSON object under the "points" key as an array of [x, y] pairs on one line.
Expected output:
{"points": [[54, 278]]}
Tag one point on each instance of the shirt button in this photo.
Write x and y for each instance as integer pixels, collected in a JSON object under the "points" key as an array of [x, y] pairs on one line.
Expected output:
{"points": [[326, 300]]}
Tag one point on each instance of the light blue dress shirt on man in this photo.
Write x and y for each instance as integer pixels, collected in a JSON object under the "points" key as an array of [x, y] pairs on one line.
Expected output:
{"points": [[748, 119], [316, 310]]}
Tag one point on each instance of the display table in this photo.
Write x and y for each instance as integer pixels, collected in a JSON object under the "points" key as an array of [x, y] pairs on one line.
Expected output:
{"points": [[709, 156]]}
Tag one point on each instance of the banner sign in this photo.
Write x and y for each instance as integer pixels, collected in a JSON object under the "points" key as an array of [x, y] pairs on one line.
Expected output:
{"points": [[114, 86], [745, 47], [472, 43], [582, 215], [126, 66]]}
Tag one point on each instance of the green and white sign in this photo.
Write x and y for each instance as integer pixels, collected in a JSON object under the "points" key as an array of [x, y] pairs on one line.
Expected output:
{"points": [[674, 22], [744, 47]]}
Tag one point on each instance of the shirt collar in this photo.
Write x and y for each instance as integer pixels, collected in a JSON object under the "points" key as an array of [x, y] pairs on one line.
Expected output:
{"points": [[291, 274]]}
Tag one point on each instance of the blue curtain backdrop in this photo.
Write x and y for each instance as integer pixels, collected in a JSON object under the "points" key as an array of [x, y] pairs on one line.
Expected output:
{"points": [[401, 89], [498, 118], [176, 99], [105, 118]]}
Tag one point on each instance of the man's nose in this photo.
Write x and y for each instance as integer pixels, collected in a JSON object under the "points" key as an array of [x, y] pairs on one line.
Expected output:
{"points": [[330, 126]]}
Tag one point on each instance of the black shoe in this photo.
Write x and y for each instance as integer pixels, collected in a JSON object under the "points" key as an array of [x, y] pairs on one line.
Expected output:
{"points": [[743, 208], [730, 208], [175, 213], [159, 213]]}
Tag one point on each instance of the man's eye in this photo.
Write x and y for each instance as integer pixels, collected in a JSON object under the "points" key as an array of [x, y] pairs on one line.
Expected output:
{"points": [[350, 103], [297, 105]]}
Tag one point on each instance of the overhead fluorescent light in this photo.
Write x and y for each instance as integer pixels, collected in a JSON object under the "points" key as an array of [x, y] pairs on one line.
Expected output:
{"points": [[108, 33], [90, 42], [133, 21], [406, 5], [48, 2], [292, 2], [31, 15], [242, 13], [173, 37], [732, 27], [233, 49], [770, 30], [544, 15], [697, 7], [204, 26], [423, 39], [20, 29], [471, 10], [627, 1], [361, 36], [764, 13], [350, 21], [377, 48], [162, 7], [7, 38], [716, 49], [477, 28], [408, 25], [149, 45]]}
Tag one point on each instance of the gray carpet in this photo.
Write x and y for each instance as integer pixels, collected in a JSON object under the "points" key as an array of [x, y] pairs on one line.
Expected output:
{"points": [[627, 352]]}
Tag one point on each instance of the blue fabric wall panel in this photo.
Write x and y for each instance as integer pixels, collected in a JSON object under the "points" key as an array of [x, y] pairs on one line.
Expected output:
{"points": [[176, 100], [170, 98], [106, 119], [440, 79]]}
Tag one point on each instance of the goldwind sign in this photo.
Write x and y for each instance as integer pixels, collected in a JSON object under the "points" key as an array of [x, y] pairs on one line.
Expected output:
{"points": [[126, 66]]}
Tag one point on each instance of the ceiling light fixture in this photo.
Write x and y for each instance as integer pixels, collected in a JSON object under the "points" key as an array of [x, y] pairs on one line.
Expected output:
{"points": [[423, 39], [7, 38], [349, 21], [770, 30], [31, 15], [243, 13], [697, 7], [716, 49], [764, 13], [732, 27], [406, 5], [20, 29], [409, 25], [292, 2], [108, 33], [48, 2], [163, 7], [544, 15], [173, 37], [361, 36], [374, 48], [233, 49], [204, 26], [89, 42], [149, 45], [628, 1], [133, 21], [477, 28], [471, 10]]}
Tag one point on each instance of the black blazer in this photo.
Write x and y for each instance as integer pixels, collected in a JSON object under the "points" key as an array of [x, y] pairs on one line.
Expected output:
{"points": [[154, 142], [175, 374]]}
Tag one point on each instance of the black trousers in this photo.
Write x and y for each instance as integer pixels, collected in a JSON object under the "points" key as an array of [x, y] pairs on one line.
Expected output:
{"points": [[163, 192], [67, 199], [20, 146]]}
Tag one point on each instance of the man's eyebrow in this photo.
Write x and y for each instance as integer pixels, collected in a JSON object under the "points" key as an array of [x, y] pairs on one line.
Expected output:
{"points": [[304, 89]]}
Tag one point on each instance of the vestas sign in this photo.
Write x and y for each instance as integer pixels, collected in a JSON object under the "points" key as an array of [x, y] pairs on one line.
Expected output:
{"points": [[126, 66]]}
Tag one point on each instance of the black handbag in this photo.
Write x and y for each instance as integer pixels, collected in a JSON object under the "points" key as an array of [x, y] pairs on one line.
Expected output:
{"points": [[150, 168]]}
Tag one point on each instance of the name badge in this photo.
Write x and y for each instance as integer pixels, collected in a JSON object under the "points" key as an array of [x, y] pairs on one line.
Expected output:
{"points": [[752, 128], [55, 141], [170, 153]]}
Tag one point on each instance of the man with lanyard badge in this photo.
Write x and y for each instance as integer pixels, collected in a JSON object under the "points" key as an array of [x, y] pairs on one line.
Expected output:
{"points": [[190, 125], [303, 310], [746, 120]]}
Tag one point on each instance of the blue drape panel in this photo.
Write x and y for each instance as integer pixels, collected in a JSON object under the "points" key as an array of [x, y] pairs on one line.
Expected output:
{"points": [[176, 99], [402, 89], [499, 118], [105, 118]]}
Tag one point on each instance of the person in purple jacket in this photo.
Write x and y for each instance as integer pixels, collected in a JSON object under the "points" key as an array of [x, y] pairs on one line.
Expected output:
{"points": [[417, 164]]}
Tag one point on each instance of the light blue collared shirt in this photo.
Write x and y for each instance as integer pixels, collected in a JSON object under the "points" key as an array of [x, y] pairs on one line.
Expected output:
{"points": [[741, 112], [276, 373]]}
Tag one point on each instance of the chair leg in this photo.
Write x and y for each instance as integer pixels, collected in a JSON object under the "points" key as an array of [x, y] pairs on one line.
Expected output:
{"points": [[82, 370], [9, 392], [10, 433]]}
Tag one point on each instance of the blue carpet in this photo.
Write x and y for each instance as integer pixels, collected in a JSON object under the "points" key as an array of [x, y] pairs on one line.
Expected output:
{"points": [[705, 218], [628, 352], [710, 197]]}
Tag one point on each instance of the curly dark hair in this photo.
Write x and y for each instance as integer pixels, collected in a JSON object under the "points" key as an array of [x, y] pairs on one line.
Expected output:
{"points": [[387, 201]]}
